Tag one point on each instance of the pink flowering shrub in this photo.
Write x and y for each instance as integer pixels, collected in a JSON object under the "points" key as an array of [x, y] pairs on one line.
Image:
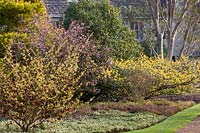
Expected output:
{"points": [[93, 58]]}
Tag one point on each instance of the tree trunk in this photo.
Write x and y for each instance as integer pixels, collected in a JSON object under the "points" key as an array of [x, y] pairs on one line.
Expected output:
{"points": [[25, 128], [160, 45], [171, 47], [184, 45], [181, 51]]}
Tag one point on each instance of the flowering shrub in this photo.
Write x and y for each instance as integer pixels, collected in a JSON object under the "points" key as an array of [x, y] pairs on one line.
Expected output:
{"points": [[44, 71], [39, 86], [15, 16], [93, 58], [146, 77]]}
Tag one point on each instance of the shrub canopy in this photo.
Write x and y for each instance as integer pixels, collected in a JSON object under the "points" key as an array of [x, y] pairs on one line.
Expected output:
{"points": [[45, 70], [104, 22], [39, 78], [15, 16], [142, 78], [39, 87]]}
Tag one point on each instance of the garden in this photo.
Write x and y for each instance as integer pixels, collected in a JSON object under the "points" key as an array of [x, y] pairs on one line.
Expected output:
{"points": [[90, 75]]}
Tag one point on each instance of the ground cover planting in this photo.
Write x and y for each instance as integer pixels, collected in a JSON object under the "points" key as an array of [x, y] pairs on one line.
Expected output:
{"points": [[108, 117], [100, 121]]}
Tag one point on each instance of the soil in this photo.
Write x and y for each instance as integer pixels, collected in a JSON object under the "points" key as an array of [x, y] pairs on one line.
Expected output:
{"points": [[192, 127]]}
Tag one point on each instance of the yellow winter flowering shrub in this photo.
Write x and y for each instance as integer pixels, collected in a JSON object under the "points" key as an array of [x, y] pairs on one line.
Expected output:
{"points": [[146, 77], [41, 85]]}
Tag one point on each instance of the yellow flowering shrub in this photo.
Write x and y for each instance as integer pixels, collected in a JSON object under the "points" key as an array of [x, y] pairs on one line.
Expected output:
{"points": [[146, 77], [16, 16], [41, 85]]}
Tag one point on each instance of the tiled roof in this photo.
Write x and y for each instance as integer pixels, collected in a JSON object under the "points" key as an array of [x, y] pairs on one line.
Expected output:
{"points": [[56, 8], [127, 2]]}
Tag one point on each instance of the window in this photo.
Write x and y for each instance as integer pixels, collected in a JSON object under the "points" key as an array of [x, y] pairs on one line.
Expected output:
{"points": [[196, 54], [56, 22], [138, 28], [126, 22]]}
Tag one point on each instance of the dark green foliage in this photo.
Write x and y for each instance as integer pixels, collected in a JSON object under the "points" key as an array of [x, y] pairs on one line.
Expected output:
{"points": [[104, 22]]}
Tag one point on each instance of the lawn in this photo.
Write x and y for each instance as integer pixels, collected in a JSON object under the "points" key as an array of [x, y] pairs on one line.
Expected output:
{"points": [[173, 123]]}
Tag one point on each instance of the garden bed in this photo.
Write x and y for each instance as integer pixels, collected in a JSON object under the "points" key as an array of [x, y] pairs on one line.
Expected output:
{"points": [[157, 106], [100, 121], [108, 117]]}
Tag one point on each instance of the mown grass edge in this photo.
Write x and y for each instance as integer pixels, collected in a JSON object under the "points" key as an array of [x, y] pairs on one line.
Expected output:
{"points": [[173, 123]]}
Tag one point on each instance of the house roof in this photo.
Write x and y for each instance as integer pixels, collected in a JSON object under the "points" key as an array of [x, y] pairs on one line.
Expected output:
{"points": [[56, 8], [127, 2]]}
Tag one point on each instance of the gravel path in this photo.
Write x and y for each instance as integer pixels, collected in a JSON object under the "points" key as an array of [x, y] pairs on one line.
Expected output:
{"points": [[192, 127]]}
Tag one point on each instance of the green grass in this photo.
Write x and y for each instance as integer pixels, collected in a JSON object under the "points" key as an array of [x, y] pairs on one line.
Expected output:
{"points": [[100, 121], [173, 123]]}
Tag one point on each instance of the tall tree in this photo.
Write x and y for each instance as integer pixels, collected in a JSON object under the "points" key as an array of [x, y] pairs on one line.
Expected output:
{"points": [[168, 16], [191, 31], [155, 8], [136, 16]]}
